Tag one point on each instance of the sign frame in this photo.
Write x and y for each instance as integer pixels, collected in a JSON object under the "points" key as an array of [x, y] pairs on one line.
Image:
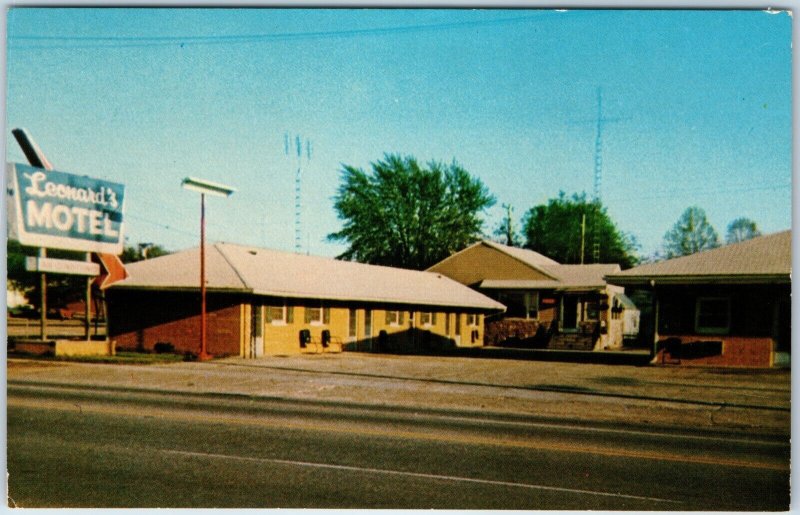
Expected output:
{"points": [[61, 266], [96, 209]]}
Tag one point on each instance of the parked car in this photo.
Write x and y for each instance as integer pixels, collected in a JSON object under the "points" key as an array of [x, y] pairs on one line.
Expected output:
{"points": [[59, 313], [23, 311]]}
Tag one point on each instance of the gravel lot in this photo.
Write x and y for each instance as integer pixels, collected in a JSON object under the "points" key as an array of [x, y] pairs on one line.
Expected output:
{"points": [[720, 399]]}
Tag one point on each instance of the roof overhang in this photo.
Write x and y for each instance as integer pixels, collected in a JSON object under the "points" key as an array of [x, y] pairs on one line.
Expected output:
{"points": [[582, 289], [495, 307], [503, 284], [522, 285], [119, 287], [739, 279]]}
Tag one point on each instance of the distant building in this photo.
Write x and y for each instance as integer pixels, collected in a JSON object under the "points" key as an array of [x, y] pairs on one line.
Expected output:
{"points": [[730, 306], [550, 305], [269, 302]]}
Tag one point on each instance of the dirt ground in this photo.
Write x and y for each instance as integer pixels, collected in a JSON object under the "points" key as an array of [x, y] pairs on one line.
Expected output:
{"points": [[705, 398], [26, 327]]}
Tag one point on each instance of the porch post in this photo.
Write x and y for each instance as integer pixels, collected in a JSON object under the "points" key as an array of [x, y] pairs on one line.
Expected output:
{"points": [[654, 350]]}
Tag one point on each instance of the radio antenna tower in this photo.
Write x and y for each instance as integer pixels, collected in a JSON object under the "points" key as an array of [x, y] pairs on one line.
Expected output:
{"points": [[298, 206], [598, 174], [594, 224], [598, 178]]}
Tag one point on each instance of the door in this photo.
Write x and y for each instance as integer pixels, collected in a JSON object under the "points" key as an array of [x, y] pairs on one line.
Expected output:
{"points": [[256, 331], [368, 328], [569, 312], [782, 334]]}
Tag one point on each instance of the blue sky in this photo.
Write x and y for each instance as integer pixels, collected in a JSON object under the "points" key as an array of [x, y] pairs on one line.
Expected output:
{"points": [[699, 104]]}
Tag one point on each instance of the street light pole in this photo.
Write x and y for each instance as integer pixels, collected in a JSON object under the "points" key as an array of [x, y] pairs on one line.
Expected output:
{"points": [[212, 188], [204, 355]]}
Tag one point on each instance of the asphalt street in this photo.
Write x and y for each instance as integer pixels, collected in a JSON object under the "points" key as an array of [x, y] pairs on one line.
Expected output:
{"points": [[105, 446]]}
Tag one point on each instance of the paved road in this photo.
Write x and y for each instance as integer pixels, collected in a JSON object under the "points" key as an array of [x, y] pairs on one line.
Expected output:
{"points": [[97, 446]]}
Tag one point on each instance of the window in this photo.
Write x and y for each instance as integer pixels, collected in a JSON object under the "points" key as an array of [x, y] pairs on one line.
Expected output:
{"points": [[713, 315], [353, 323], [318, 315], [280, 315], [532, 302], [313, 315], [394, 317], [592, 310], [472, 319], [427, 318], [447, 324]]}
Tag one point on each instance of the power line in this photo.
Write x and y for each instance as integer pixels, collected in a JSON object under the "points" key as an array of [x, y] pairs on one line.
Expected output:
{"points": [[140, 41], [162, 225], [703, 192]]}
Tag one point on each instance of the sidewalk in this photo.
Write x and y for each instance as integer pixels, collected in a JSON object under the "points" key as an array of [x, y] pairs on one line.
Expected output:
{"points": [[706, 399]]}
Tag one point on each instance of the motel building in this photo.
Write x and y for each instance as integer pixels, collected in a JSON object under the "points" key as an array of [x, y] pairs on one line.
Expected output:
{"points": [[266, 302], [729, 306]]}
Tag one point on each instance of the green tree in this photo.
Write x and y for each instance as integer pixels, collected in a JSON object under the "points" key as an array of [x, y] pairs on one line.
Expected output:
{"points": [[406, 215], [61, 288], [141, 251], [741, 229], [554, 229], [691, 233]]}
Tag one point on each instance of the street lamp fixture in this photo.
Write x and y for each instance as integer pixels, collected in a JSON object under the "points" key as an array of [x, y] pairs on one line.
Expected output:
{"points": [[204, 188], [207, 187]]}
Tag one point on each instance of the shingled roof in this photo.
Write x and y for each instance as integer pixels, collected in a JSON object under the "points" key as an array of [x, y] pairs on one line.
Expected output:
{"points": [[561, 277], [568, 278], [246, 269], [531, 257], [758, 260]]}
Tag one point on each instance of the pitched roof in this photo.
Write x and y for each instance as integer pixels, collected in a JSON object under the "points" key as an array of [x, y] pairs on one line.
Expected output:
{"points": [[568, 277], [527, 256], [562, 277], [239, 268], [765, 258], [584, 275]]}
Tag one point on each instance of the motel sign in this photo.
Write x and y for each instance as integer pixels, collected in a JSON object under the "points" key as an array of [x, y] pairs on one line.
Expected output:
{"points": [[66, 211]]}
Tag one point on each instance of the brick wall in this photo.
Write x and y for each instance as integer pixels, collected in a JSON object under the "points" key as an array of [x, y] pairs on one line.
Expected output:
{"points": [[515, 329], [737, 351], [139, 320], [535, 334]]}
